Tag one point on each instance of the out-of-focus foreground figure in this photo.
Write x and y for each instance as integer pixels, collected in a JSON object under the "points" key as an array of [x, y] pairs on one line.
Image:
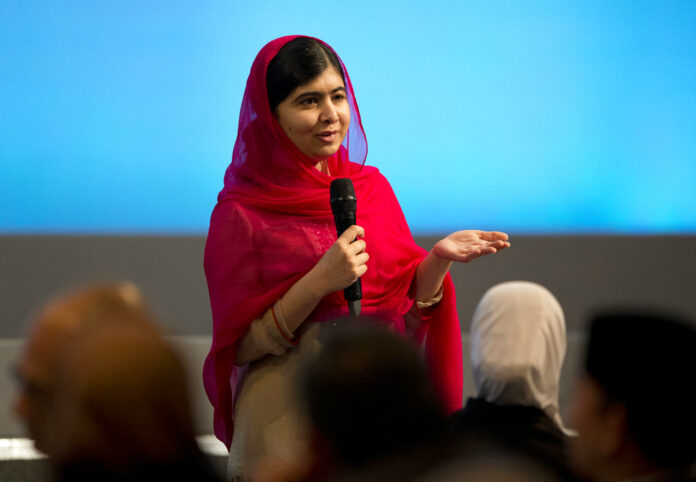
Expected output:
{"points": [[104, 395], [373, 412], [49, 339], [635, 405]]}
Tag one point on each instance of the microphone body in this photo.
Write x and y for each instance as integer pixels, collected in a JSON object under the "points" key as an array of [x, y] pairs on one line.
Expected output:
{"points": [[343, 207]]}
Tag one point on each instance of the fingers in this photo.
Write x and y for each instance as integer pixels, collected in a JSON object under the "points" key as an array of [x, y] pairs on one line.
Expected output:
{"points": [[476, 252], [489, 249], [482, 251], [349, 242], [354, 249], [492, 235], [361, 259], [344, 262], [494, 239], [498, 244], [358, 265], [350, 234], [360, 270]]}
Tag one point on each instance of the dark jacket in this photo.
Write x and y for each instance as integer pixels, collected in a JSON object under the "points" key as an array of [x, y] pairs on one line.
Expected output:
{"points": [[520, 430]]}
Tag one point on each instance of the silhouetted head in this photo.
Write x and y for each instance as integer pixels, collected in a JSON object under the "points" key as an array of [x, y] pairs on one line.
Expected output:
{"points": [[369, 396], [634, 405]]}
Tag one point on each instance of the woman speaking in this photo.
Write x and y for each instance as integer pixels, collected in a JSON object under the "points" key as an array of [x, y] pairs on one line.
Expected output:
{"points": [[275, 269]]}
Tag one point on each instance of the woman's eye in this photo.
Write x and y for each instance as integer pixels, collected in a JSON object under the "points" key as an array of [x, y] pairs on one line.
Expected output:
{"points": [[339, 97], [308, 101]]}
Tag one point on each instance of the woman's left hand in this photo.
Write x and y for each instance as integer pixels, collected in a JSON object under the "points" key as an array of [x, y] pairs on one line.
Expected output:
{"points": [[463, 246]]}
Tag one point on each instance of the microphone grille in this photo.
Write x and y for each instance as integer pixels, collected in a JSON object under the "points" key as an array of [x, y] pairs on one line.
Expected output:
{"points": [[342, 188]]}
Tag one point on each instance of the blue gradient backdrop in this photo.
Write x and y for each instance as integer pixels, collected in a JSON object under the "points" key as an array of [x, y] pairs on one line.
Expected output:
{"points": [[530, 117]]}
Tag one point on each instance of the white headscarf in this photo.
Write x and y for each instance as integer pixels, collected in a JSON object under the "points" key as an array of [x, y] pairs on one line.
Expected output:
{"points": [[518, 342]]}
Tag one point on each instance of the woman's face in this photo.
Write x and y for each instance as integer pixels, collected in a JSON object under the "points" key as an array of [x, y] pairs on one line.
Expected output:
{"points": [[316, 115]]}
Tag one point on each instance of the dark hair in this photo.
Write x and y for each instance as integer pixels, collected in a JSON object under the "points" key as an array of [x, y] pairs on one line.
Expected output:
{"points": [[296, 63], [645, 361], [368, 393]]}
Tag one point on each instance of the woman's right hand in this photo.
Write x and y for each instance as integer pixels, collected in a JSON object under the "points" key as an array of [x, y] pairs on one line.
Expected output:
{"points": [[343, 263]]}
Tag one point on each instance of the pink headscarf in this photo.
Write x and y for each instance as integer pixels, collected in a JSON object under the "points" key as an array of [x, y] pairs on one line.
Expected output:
{"points": [[273, 223]]}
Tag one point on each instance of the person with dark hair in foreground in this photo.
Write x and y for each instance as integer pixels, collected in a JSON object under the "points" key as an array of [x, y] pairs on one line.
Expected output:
{"points": [[372, 410], [275, 268], [518, 343], [635, 404]]}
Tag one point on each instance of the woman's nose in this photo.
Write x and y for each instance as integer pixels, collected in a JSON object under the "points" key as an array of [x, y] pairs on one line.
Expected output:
{"points": [[328, 115]]}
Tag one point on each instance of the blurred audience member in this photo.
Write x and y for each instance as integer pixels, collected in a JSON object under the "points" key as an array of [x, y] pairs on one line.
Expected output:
{"points": [[49, 338], [104, 395], [635, 404], [373, 412], [123, 404], [518, 343]]}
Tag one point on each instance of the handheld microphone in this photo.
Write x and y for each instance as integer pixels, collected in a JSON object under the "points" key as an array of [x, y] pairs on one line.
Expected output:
{"points": [[343, 207]]}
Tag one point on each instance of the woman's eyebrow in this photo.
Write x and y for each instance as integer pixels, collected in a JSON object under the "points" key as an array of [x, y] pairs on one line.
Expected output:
{"points": [[316, 93]]}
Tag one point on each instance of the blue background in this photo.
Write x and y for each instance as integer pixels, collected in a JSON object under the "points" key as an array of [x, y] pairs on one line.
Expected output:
{"points": [[529, 117]]}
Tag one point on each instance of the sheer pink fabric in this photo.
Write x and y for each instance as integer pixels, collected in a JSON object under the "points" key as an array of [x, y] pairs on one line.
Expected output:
{"points": [[272, 224]]}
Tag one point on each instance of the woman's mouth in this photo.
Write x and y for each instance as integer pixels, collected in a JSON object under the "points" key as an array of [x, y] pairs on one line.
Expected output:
{"points": [[328, 136]]}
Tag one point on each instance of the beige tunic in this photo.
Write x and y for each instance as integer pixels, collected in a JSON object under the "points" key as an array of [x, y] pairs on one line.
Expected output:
{"points": [[269, 422]]}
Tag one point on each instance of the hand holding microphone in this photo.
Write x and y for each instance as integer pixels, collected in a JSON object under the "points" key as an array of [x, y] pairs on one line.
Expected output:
{"points": [[344, 207], [344, 262]]}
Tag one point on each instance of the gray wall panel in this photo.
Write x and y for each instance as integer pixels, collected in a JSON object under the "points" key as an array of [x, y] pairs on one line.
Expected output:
{"points": [[169, 270], [584, 272]]}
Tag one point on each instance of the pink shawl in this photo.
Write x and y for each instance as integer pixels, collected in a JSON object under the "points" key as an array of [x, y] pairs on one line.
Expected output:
{"points": [[273, 222]]}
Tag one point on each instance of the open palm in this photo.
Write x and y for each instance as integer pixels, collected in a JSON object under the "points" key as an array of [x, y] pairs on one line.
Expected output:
{"points": [[463, 246]]}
